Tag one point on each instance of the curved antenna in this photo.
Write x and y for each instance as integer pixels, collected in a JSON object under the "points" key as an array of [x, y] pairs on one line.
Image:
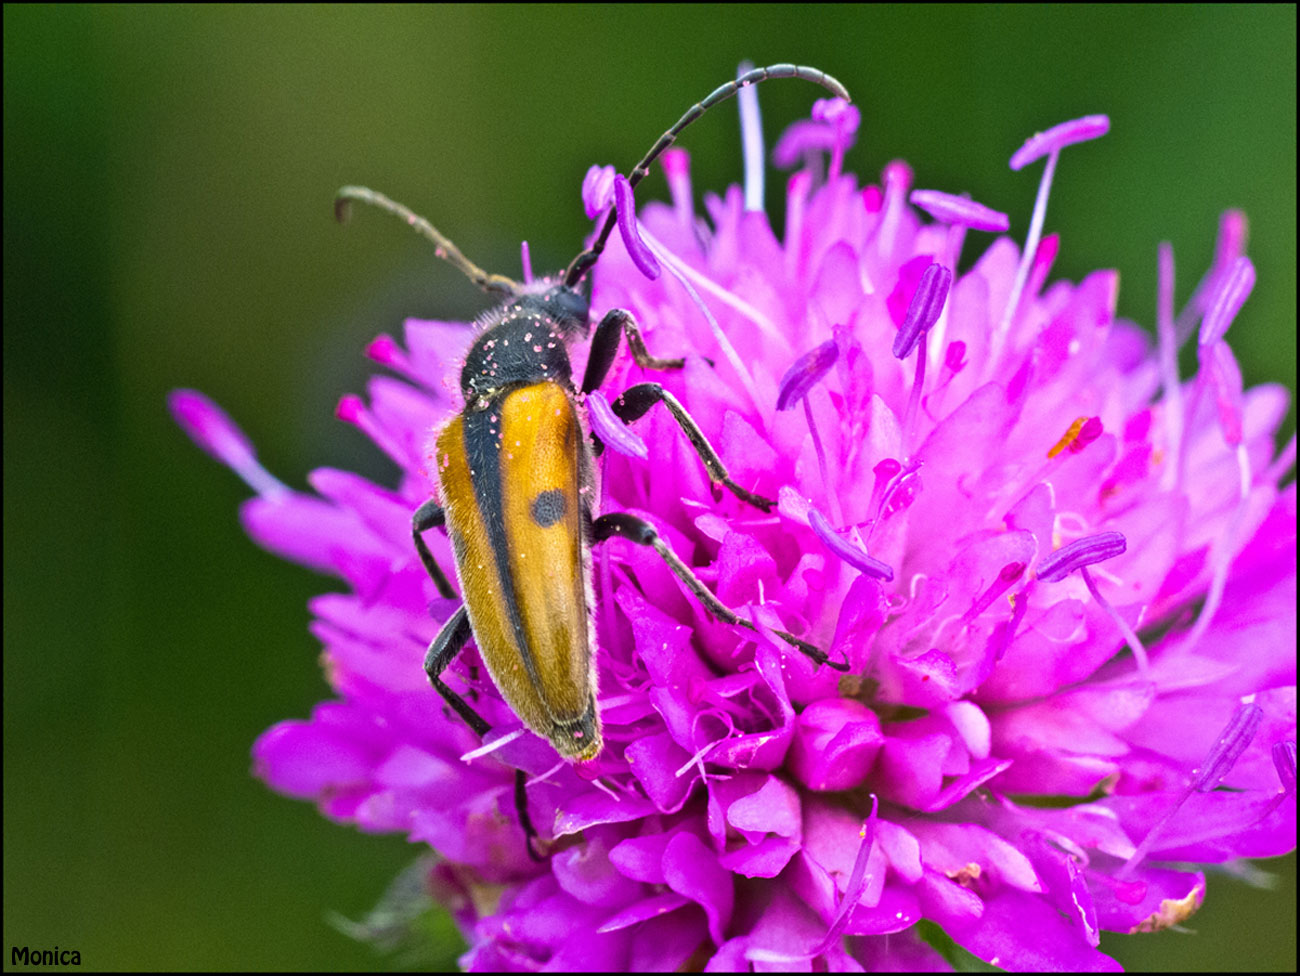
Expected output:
{"points": [[583, 263], [492, 283]]}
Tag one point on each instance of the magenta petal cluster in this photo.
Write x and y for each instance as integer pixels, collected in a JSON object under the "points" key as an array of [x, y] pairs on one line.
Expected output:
{"points": [[1062, 576]]}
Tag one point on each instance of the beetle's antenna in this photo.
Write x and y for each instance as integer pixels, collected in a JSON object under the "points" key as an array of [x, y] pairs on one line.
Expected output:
{"points": [[492, 283], [584, 261]]}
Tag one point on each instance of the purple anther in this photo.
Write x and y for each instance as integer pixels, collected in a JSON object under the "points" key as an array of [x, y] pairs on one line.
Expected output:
{"points": [[1080, 553], [597, 190], [1058, 137], [636, 248], [1233, 290], [612, 431], [1227, 749], [961, 211], [805, 373], [846, 551], [1092, 429], [927, 302]]}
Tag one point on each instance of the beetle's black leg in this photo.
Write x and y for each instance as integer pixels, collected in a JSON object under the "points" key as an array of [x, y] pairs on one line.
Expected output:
{"points": [[638, 399], [450, 641], [455, 634], [521, 807], [643, 534], [430, 516], [604, 347]]}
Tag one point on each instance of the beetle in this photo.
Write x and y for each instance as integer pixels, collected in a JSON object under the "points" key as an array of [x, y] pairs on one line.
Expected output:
{"points": [[519, 518]]}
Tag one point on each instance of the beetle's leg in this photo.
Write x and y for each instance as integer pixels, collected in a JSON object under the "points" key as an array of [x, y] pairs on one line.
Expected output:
{"points": [[638, 399], [521, 807], [604, 347], [429, 516], [453, 637], [643, 534], [451, 641]]}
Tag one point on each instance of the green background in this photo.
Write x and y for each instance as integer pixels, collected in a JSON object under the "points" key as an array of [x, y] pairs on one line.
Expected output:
{"points": [[168, 174]]}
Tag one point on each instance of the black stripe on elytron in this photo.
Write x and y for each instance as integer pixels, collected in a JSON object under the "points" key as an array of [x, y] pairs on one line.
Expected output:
{"points": [[482, 433]]}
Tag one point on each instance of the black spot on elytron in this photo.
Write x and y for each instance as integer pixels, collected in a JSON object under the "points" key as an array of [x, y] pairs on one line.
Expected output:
{"points": [[548, 507]]}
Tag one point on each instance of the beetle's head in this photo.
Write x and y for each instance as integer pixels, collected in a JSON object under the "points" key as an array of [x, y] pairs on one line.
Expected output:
{"points": [[567, 307], [526, 340]]}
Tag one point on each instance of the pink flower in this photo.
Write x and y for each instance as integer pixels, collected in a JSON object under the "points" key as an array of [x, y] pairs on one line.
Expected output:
{"points": [[1063, 580]]}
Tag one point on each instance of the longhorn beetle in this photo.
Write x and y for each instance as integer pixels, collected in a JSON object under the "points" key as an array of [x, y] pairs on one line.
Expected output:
{"points": [[520, 520]]}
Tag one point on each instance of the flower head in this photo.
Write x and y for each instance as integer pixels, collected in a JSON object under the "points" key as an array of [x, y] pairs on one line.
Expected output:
{"points": [[1062, 577]]}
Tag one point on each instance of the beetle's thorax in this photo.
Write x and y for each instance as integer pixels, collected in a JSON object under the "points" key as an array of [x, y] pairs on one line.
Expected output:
{"points": [[525, 341]]}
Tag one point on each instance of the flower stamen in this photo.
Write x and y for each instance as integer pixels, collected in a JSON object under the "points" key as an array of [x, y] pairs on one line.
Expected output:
{"points": [[858, 879], [924, 310], [728, 298], [1227, 749], [612, 431], [678, 271], [625, 204], [1229, 245], [796, 385], [751, 141], [1050, 144], [1081, 554], [960, 211], [849, 553], [597, 190], [1228, 298]]}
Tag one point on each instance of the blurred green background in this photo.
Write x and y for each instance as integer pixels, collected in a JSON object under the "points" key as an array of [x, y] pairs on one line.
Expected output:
{"points": [[168, 173]]}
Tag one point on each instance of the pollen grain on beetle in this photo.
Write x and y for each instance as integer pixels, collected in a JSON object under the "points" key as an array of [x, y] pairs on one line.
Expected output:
{"points": [[1046, 639]]}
